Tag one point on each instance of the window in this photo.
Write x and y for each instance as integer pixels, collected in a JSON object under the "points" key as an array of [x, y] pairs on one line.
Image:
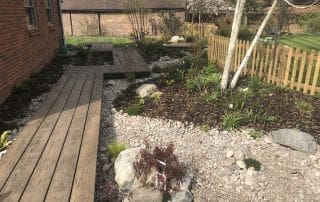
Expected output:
{"points": [[30, 7], [48, 4]]}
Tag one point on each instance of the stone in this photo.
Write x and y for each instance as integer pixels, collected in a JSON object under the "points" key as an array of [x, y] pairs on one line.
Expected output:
{"points": [[186, 181], [103, 149], [238, 155], [144, 194], [250, 171], [182, 196], [104, 159], [146, 90], [105, 168], [229, 153], [228, 162], [295, 139], [125, 174], [241, 164], [165, 58], [176, 39]]}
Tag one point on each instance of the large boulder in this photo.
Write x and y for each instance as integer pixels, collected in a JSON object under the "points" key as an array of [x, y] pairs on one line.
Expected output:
{"points": [[165, 64], [295, 139], [144, 194], [146, 90], [124, 170]]}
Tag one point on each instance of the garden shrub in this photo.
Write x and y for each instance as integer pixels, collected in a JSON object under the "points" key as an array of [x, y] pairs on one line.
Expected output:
{"points": [[314, 25], [153, 48], [115, 148], [244, 33]]}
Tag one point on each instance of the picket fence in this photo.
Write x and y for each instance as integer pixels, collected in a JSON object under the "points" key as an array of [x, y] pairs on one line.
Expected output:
{"points": [[283, 66]]}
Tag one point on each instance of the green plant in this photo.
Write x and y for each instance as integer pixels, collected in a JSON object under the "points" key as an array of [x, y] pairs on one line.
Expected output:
{"points": [[190, 39], [303, 106], [314, 26], [255, 84], [153, 48], [83, 50], [135, 109], [115, 148], [256, 134], [201, 80], [239, 99], [231, 120], [252, 163], [130, 77], [258, 116], [245, 34], [205, 127], [4, 143], [211, 96]]}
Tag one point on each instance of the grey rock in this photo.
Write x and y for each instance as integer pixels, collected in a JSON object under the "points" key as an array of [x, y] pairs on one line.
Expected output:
{"points": [[182, 196], [106, 168], [147, 195], [229, 153], [186, 181], [146, 90], [295, 139], [238, 155], [103, 149], [124, 170], [104, 159], [241, 164]]}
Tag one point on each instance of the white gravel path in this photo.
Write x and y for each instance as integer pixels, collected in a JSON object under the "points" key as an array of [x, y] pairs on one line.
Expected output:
{"points": [[286, 175]]}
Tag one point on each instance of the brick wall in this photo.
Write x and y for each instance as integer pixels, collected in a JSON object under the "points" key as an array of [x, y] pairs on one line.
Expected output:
{"points": [[112, 24], [23, 51]]}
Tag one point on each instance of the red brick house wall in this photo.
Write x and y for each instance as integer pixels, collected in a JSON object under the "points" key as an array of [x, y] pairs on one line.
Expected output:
{"points": [[23, 50]]}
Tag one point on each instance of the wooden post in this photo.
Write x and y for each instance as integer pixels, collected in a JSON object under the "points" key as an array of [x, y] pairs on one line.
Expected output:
{"points": [[70, 17], [99, 21]]}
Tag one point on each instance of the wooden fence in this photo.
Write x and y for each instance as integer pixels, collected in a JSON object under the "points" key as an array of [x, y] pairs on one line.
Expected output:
{"points": [[286, 66]]}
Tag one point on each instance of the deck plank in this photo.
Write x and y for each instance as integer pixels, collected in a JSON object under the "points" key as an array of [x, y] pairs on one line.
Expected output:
{"points": [[21, 173], [44, 171], [61, 184], [84, 182]]}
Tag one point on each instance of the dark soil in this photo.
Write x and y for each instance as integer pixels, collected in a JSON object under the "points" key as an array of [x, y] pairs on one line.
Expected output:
{"points": [[177, 103], [13, 108]]}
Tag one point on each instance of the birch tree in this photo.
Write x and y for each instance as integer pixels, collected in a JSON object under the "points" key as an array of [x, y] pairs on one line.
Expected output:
{"points": [[233, 40], [253, 44]]}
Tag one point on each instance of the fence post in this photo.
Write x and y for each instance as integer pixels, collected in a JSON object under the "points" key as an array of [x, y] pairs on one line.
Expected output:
{"points": [[288, 65]]}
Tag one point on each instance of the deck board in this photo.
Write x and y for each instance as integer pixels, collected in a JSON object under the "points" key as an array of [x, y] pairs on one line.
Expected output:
{"points": [[54, 156], [43, 173]]}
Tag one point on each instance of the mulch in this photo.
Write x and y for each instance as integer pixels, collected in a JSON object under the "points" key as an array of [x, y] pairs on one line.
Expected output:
{"points": [[177, 103]]}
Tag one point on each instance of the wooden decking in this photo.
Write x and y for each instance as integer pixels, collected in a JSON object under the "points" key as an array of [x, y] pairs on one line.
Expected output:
{"points": [[126, 60], [54, 156]]}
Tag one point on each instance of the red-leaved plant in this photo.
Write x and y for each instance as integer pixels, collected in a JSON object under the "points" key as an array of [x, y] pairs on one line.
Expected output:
{"points": [[150, 159]]}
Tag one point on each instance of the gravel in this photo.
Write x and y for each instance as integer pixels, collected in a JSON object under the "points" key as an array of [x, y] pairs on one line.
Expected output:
{"points": [[285, 175]]}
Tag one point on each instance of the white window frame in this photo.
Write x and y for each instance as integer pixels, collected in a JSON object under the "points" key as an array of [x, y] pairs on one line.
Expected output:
{"points": [[49, 10], [31, 13]]}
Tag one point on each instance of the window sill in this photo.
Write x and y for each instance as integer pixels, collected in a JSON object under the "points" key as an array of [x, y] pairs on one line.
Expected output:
{"points": [[34, 31], [52, 27]]}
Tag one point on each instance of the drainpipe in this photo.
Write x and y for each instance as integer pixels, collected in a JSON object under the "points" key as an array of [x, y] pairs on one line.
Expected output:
{"points": [[61, 23]]}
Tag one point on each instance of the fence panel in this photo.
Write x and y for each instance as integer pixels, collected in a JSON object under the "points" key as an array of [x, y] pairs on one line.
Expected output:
{"points": [[285, 66]]}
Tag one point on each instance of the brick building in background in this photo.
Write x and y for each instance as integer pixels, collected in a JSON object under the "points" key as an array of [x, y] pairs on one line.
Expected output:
{"points": [[30, 34], [107, 17]]}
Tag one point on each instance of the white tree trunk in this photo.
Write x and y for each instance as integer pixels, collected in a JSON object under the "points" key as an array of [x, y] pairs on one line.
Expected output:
{"points": [[253, 44], [233, 40]]}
